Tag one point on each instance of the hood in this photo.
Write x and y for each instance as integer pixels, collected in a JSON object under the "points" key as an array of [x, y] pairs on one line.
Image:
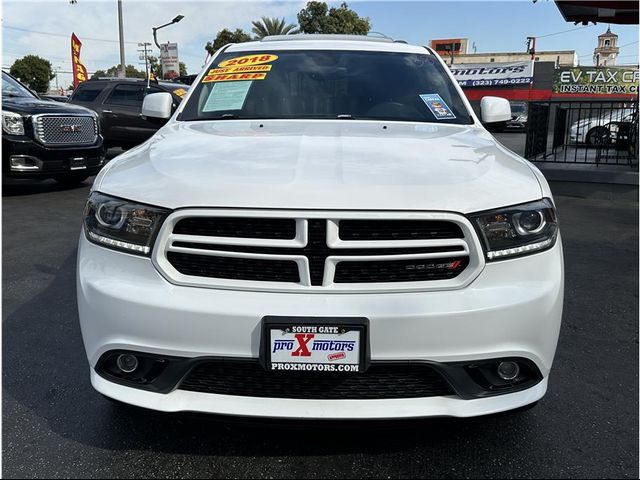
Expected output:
{"points": [[325, 164], [33, 106]]}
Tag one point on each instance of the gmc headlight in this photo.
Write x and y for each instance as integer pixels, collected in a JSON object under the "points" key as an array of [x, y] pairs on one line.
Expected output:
{"points": [[518, 230], [122, 225], [12, 123]]}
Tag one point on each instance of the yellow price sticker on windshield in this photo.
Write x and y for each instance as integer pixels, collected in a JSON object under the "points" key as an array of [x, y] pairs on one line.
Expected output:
{"points": [[249, 60], [180, 92], [244, 69], [227, 77]]}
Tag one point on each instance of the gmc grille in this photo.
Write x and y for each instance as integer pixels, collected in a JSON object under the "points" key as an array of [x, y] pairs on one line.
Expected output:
{"points": [[65, 130]]}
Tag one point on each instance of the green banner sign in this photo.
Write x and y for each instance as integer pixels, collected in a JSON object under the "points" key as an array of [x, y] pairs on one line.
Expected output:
{"points": [[596, 80]]}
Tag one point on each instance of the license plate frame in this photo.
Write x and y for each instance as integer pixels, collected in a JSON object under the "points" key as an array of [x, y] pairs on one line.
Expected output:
{"points": [[345, 325]]}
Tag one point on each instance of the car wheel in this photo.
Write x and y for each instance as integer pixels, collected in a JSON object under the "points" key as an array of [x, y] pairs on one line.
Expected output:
{"points": [[598, 136], [71, 180]]}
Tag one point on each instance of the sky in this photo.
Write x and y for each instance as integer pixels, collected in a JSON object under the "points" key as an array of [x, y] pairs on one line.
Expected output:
{"points": [[44, 27]]}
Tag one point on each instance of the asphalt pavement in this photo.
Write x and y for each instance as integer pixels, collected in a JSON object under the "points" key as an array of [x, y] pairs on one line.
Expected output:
{"points": [[55, 425]]}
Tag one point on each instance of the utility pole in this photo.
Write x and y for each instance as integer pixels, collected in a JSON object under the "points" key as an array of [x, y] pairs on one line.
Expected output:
{"points": [[121, 35], [531, 46], [145, 52]]}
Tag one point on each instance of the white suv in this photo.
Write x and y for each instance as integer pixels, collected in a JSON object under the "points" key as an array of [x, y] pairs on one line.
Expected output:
{"points": [[323, 229]]}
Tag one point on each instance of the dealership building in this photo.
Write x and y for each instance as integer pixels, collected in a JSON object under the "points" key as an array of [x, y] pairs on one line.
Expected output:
{"points": [[525, 77]]}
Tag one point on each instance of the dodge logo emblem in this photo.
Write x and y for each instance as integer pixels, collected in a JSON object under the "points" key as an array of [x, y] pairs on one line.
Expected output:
{"points": [[70, 128]]}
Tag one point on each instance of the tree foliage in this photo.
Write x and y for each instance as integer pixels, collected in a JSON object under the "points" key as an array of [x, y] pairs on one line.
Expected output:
{"points": [[227, 36], [130, 72], [317, 17], [272, 26], [33, 71]]}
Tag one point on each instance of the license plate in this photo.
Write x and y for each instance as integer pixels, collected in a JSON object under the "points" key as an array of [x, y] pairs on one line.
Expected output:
{"points": [[332, 345], [78, 163]]}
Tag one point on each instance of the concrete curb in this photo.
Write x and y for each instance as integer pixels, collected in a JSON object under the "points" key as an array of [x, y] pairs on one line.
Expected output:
{"points": [[558, 172]]}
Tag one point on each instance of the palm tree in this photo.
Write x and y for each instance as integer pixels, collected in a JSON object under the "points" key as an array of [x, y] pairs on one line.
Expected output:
{"points": [[272, 26]]}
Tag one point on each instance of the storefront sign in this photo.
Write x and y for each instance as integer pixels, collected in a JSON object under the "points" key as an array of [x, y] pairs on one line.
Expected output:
{"points": [[169, 60], [493, 74], [596, 81]]}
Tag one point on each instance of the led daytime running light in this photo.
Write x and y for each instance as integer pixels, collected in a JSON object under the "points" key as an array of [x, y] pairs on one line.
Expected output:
{"points": [[119, 244], [518, 250]]}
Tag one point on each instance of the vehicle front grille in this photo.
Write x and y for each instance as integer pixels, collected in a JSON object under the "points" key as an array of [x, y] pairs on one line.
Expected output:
{"points": [[65, 130], [250, 379], [275, 228], [398, 230], [306, 252], [400, 270], [235, 268]]}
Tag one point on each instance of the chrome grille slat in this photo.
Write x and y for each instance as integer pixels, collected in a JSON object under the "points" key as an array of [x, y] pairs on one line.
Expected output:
{"points": [[446, 256], [58, 130]]}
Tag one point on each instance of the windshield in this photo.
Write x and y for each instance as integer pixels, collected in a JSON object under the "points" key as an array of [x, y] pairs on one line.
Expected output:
{"points": [[12, 88], [320, 84]]}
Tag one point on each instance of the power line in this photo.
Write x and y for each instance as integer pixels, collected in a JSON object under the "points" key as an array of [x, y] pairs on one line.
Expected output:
{"points": [[627, 44], [564, 31], [65, 36], [621, 46]]}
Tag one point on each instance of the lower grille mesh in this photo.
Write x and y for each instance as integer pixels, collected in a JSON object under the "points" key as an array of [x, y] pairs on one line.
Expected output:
{"points": [[250, 379]]}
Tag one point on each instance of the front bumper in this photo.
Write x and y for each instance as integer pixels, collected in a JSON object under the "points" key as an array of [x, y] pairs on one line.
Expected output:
{"points": [[513, 309], [53, 161]]}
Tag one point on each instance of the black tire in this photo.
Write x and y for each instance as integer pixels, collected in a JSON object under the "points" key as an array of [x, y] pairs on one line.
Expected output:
{"points": [[598, 136], [71, 180]]}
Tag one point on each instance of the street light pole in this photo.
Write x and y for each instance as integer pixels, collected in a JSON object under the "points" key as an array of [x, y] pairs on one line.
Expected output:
{"points": [[121, 35]]}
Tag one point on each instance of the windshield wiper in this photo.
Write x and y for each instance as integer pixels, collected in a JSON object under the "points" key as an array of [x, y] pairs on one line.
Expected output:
{"points": [[345, 116]]}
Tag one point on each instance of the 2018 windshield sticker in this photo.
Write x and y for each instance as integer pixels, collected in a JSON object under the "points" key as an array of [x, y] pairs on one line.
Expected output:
{"points": [[227, 77], [255, 59], [437, 106]]}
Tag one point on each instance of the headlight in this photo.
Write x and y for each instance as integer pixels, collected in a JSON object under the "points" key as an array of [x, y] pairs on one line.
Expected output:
{"points": [[12, 123], [518, 230], [97, 120], [122, 225]]}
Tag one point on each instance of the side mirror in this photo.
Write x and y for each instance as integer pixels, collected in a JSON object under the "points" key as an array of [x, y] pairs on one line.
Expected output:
{"points": [[157, 105], [495, 109]]}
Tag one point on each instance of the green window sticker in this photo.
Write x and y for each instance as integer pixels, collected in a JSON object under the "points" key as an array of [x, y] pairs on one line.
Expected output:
{"points": [[227, 96]]}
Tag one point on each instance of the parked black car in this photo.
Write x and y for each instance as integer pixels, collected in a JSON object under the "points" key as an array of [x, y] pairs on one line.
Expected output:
{"points": [[118, 102], [55, 98], [46, 139]]}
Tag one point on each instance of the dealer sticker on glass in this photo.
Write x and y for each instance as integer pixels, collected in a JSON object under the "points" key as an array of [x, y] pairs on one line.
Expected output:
{"points": [[437, 106], [315, 348]]}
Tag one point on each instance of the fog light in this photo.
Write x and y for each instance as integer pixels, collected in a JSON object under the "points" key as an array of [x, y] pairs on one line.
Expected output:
{"points": [[127, 363], [22, 163], [508, 371]]}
